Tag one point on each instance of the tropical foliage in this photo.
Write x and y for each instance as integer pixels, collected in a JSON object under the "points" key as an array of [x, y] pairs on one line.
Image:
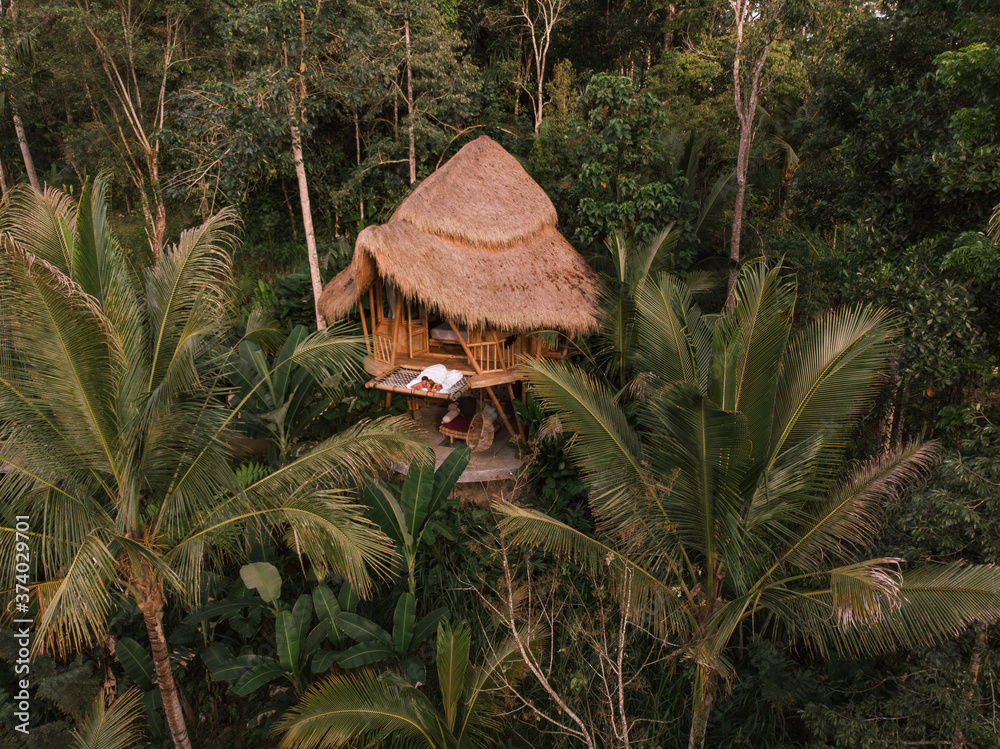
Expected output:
{"points": [[117, 429], [725, 501], [871, 178], [377, 707]]}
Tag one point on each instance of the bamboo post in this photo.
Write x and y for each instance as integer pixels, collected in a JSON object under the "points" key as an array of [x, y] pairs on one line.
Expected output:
{"points": [[395, 329], [364, 327], [500, 357], [479, 370], [521, 429]]}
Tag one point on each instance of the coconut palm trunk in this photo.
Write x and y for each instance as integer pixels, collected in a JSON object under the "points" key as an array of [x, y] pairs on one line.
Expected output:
{"points": [[704, 691], [152, 604]]}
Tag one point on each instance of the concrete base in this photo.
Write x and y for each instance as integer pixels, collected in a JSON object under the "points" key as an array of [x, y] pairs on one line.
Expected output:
{"points": [[497, 463]]}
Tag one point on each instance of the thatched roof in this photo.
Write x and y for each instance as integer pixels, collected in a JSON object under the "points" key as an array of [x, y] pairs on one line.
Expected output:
{"points": [[477, 241]]}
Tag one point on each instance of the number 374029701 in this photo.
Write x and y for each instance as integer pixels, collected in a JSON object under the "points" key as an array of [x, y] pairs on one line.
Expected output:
{"points": [[22, 561]]}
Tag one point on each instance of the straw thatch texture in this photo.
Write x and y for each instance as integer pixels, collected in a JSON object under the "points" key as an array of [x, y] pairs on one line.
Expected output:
{"points": [[538, 284], [339, 295], [477, 242], [481, 196]]}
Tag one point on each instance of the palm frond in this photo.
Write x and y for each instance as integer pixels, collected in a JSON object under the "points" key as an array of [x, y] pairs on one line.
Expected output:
{"points": [[651, 599], [754, 335], [42, 222], [360, 708], [833, 366], [334, 534], [850, 518], [700, 450], [64, 340], [605, 447], [75, 609], [262, 330], [483, 684], [354, 453], [656, 256], [332, 356], [453, 644], [931, 603], [866, 591], [670, 331], [713, 207], [188, 290], [114, 727]]}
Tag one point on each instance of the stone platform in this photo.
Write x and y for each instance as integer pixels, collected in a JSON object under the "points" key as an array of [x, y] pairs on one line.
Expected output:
{"points": [[498, 462]]}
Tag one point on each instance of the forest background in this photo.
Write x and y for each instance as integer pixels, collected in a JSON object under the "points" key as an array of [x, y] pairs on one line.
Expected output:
{"points": [[872, 172]]}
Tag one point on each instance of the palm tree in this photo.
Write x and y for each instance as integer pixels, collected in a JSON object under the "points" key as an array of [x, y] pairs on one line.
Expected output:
{"points": [[725, 501], [115, 726], [115, 429], [371, 708]]}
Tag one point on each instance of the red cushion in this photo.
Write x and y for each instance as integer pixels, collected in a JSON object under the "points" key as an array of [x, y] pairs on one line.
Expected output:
{"points": [[460, 423]]}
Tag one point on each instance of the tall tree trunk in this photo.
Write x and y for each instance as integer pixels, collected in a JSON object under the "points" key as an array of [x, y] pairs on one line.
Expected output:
{"points": [[357, 146], [151, 605], [549, 13], [3, 184], [705, 687], [307, 222], [409, 102], [745, 94], [296, 110], [22, 141], [742, 164]]}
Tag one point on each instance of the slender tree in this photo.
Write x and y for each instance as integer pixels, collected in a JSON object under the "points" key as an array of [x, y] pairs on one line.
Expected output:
{"points": [[16, 54], [115, 430], [137, 59], [755, 28], [724, 500], [540, 18]]}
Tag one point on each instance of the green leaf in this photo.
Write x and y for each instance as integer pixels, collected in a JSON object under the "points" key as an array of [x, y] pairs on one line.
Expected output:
{"points": [[348, 599], [302, 616], [235, 668], [151, 702], [427, 626], [415, 499], [317, 636], [214, 656], [362, 629], [402, 623], [452, 662], [328, 609], [446, 476], [257, 677], [264, 578], [323, 659], [385, 510], [137, 662], [289, 643], [365, 653], [325, 603], [246, 623], [220, 609], [413, 670]]}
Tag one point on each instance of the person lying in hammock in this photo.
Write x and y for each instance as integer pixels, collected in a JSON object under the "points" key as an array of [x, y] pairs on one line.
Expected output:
{"points": [[426, 383]]}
